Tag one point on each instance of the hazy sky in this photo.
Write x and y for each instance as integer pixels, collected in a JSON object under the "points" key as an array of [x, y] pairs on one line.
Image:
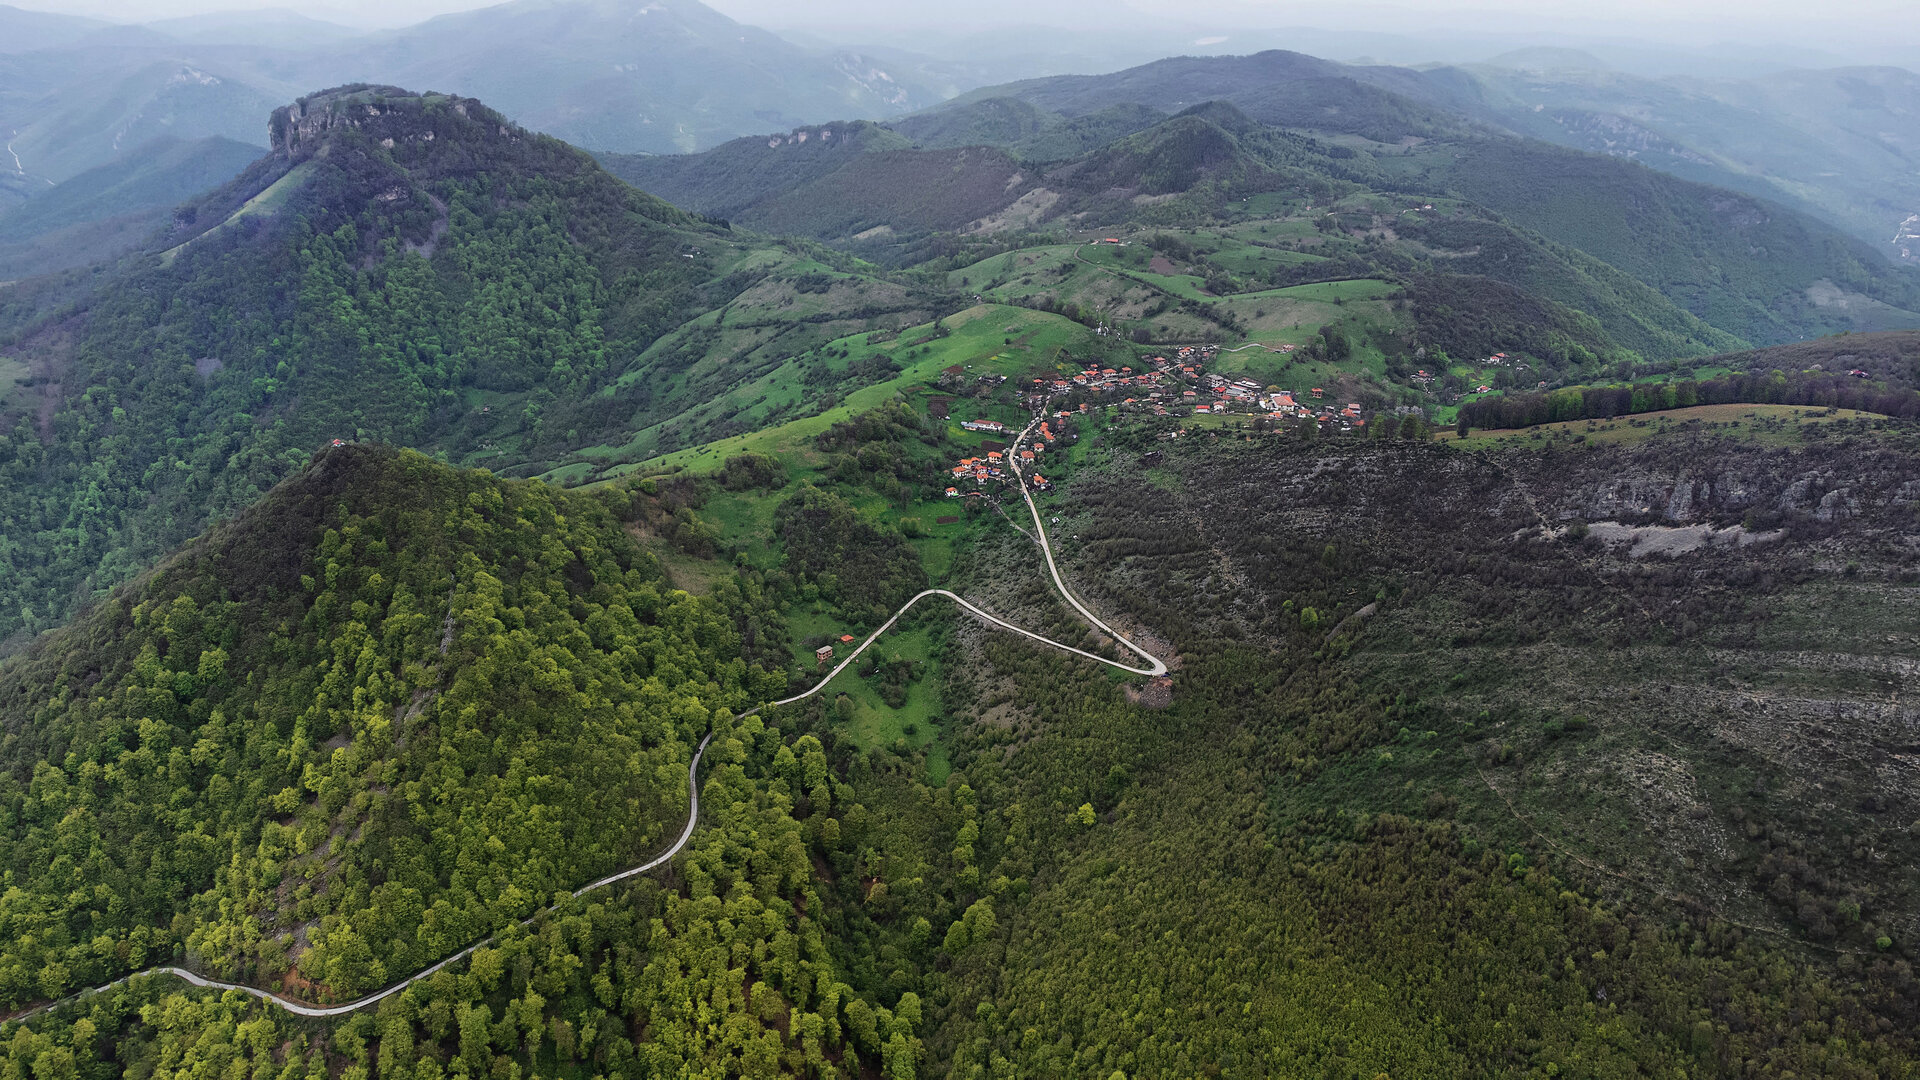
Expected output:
{"points": [[1886, 24]]}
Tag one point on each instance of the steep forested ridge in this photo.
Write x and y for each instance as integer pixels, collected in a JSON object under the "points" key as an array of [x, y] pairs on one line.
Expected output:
{"points": [[1741, 263], [389, 709], [1297, 861], [1309, 861], [406, 268]]}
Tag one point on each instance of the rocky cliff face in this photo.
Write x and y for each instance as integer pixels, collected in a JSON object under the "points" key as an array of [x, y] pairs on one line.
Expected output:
{"points": [[390, 115]]}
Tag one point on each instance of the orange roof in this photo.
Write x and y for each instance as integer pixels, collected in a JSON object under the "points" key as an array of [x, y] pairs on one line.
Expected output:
{"points": [[846, 637]]}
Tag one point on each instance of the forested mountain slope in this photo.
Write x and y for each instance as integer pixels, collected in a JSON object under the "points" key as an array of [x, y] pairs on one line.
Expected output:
{"points": [[396, 701], [728, 178], [74, 109], [1409, 720], [859, 189], [1753, 268], [613, 75], [1838, 143], [392, 708], [1033, 133], [373, 623], [404, 267], [834, 181], [112, 208]]}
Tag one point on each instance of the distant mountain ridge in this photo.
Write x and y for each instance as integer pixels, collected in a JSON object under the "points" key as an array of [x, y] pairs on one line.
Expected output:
{"points": [[1842, 143], [1099, 150], [412, 268], [660, 76], [114, 207], [1286, 89], [1780, 265], [619, 75], [673, 76], [24, 31]]}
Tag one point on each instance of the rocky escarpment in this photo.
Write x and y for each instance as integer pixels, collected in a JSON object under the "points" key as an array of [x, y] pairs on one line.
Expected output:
{"points": [[388, 115], [1618, 136]]}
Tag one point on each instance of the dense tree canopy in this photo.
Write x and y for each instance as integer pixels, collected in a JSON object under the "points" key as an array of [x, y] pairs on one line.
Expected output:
{"points": [[393, 708]]}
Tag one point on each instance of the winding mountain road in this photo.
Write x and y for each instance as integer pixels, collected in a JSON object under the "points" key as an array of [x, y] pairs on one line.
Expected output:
{"points": [[1159, 666], [1156, 667]]}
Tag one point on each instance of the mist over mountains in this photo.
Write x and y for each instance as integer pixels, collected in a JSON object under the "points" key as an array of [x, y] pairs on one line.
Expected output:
{"points": [[656, 77], [675, 76]]}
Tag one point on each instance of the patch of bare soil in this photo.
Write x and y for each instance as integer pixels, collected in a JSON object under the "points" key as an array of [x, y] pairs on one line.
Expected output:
{"points": [[1022, 212], [1156, 693], [1640, 541]]}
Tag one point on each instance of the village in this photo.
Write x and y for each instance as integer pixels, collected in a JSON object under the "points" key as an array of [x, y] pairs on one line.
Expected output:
{"points": [[1181, 386], [1174, 386], [994, 466]]}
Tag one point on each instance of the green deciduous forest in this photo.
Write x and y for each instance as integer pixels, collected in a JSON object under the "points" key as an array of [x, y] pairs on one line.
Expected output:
{"points": [[863, 568], [727, 974], [1561, 758], [398, 707], [393, 708]]}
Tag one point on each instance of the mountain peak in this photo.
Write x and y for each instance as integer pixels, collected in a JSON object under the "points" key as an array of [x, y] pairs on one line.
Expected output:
{"points": [[1224, 115], [387, 114]]}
